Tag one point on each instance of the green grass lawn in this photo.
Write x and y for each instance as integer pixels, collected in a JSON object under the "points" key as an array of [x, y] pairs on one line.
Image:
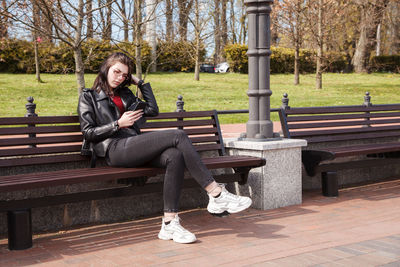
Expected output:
{"points": [[58, 94]]}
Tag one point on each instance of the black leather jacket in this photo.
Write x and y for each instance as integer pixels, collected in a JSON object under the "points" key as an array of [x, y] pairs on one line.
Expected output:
{"points": [[98, 116]]}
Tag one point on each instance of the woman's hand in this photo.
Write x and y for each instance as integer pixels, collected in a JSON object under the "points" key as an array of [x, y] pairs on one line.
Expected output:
{"points": [[135, 80], [129, 117]]}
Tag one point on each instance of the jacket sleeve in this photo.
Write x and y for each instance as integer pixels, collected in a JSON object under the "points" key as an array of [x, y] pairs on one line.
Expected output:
{"points": [[87, 118], [152, 108]]}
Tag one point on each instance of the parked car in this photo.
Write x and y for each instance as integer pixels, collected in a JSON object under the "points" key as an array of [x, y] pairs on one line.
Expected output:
{"points": [[222, 67], [207, 68]]}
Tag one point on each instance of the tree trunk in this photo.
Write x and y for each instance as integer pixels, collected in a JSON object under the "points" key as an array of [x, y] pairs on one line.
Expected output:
{"points": [[169, 26], [378, 40], [318, 75], [79, 69], [184, 9], [371, 16], [297, 65], [89, 29], [125, 21], [36, 24], [102, 20], [151, 35], [138, 38], [79, 66], [197, 42], [243, 27], [217, 32], [394, 28], [108, 29], [3, 22], [233, 21], [224, 26], [37, 61]]}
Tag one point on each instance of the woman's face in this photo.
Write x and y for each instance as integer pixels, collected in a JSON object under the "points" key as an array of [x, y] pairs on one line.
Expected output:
{"points": [[117, 74]]}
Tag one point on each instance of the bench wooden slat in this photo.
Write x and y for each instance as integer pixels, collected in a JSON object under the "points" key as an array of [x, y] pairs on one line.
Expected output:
{"points": [[175, 124], [40, 130], [294, 118], [38, 120], [364, 149], [341, 109], [41, 140], [206, 130], [207, 147], [42, 160], [63, 177], [204, 139], [39, 150], [357, 130], [341, 123], [182, 115], [347, 137], [212, 163]]}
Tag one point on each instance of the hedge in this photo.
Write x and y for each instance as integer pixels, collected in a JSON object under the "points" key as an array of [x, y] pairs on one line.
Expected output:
{"points": [[17, 56], [385, 64], [282, 60]]}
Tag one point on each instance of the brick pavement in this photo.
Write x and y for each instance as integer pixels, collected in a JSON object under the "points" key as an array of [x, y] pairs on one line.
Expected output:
{"points": [[359, 228]]}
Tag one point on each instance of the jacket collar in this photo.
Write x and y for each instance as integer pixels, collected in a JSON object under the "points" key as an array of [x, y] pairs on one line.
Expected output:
{"points": [[100, 96]]}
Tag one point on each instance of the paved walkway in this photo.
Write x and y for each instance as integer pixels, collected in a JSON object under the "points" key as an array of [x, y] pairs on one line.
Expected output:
{"points": [[361, 227]]}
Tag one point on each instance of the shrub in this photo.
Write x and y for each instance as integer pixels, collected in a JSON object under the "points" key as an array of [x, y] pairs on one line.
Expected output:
{"points": [[177, 56], [385, 63], [15, 55], [237, 57], [282, 60]]}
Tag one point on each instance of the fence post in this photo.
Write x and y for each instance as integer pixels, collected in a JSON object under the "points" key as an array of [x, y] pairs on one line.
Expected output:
{"points": [[179, 104], [31, 107], [285, 101], [179, 108], [367, 103]]}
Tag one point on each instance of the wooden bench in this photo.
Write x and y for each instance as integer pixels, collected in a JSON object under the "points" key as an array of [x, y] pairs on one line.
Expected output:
{"points": [[30, 142], [363, 136]]}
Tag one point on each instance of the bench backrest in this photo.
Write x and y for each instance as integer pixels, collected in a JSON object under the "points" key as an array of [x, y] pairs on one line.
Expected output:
{"points": [[57, 139], [341, 123]]}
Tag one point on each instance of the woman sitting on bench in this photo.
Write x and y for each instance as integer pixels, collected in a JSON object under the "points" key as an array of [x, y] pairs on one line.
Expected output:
{"points": [[110, 116]]}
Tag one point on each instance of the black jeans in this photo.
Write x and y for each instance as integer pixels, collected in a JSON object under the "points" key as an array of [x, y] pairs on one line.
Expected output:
{"points": [[171, 149]]}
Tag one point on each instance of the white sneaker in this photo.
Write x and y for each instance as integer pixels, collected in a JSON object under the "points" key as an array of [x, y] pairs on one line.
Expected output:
{"points": [[227, 202], [176, 232]]}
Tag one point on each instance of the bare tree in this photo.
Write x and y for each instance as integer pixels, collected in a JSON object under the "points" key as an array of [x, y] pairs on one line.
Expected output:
{"points": [[290, 20], [371, 16], [199, 21], [169, 25], [35, 35], [393, 27], [224, 24], [67, 18], [89, 28], [4, 21], [125, 21], [217, 31], [319, 20], [184, 9], [243, 24]]}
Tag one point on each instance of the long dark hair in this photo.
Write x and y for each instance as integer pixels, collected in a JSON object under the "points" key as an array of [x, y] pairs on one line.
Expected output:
{"points": [[101, 82]]}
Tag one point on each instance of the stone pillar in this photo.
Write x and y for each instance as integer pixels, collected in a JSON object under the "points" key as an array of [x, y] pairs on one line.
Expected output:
{"points": [[278, 183], [259, 125]]}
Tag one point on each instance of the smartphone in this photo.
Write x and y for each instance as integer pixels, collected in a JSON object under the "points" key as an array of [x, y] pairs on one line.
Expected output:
{"points": [[140, 105]]}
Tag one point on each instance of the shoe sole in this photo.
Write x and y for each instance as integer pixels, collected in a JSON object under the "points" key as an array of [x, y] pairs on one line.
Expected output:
{"points": [[221, 211], [162, 237]]}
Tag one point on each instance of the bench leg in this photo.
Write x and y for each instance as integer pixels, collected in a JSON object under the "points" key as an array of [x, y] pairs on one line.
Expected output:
{"points": [[330, 184], [19, 229]]}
